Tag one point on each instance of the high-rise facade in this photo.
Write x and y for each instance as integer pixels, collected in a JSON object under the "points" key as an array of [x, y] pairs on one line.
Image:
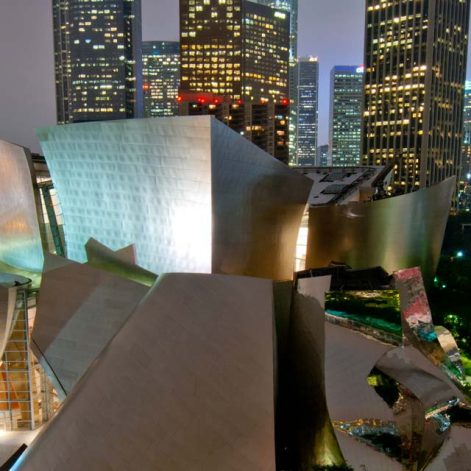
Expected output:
{"points": [[307, 112], [464, 197], [237, 52], [323, 155], [467, 129], [234, 48], [97, 51], [290, 6], [415, 64], [346, 96], [161, 77]]}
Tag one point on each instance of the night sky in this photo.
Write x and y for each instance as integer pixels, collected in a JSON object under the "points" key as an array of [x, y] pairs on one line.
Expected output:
{"points": [[330, 29]]}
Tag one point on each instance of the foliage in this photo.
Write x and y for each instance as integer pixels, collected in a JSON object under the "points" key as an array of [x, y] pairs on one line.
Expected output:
{"points": [[450, 296]]}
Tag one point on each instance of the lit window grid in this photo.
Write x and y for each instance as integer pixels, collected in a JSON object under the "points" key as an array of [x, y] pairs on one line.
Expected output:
{"points": [[211, 62], [95, 59], [307, 112], [161, 77], [420, 130], [346, 118], [231, 49]]}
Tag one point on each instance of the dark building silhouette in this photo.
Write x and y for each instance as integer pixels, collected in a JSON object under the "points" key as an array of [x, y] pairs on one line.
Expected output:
{"points": [[97, 51]]}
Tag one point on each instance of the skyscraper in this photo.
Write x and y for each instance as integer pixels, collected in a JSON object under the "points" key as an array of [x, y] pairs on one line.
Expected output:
{"points": [[234, 48], [307, 113], [467, 129], [161, 77], [97, 51], [464, 196], [291, 7], [346, 94], [237, 52], [415, 57]]}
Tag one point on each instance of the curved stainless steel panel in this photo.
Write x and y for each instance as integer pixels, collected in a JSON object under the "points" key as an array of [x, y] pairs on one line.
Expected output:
{"points": [[186, 384], [258, 204], [20, 240], [395, 233], [101, 257], [9, 290], [191, 194], [80, 308]]}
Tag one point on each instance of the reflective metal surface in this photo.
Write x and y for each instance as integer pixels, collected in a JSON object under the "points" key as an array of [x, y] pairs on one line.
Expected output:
{"points": [[100, 256], [80, 308], [310, 435], [258, 204], [395, 233], [417, 322], [192, 195], [186, 384], [12, 288], [20, 240]]}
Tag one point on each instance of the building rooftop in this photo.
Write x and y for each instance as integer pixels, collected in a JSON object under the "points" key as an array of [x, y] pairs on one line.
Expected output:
{"points": [[340, 185]]}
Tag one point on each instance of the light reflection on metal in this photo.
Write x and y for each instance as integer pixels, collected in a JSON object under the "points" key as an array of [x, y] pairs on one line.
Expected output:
{"points": [[71, 329], [418, 327], [20, 240], [395, 233], [100, 256], [192, 195], [310, 437], [450, 347], [12, 288], [191, 375]]}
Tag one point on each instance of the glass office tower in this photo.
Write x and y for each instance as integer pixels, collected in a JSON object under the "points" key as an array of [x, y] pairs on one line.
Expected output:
{"points": [[97, 51], [161, 77], [346, 95], [415, 65]]}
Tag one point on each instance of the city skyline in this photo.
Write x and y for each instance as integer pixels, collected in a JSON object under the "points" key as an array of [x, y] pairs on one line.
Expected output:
{"points": [[31, 98], [26, 45]]}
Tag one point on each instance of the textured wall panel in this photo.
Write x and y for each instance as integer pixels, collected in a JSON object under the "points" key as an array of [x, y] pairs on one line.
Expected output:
{"points": [[80, 308], [144, 182], [186, 384], [192, 195], [395, 233], [20, 240]]}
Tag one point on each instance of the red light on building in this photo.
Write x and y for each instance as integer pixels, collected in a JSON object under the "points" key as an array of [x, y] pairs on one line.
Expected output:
{"points": [[217, 101], [285, 101], [240, 102], [146, 87], [179, 98]]}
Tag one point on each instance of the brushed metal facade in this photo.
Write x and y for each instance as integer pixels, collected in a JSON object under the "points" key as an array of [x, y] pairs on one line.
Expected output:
{"points": [[186, 384], [121, 263], [10, 291], [395, 233], [20, 240], [192, 195], [80, 309]]}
